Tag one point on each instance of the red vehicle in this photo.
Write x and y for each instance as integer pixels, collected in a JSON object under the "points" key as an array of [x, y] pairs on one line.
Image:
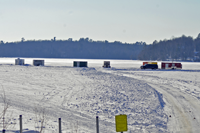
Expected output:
{"points": [[167, 65], [145, 63]]}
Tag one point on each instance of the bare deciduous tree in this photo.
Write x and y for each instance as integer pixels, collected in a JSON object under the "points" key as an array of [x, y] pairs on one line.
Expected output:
{"points": [[5, 116], [40, 119], [74, 127]]}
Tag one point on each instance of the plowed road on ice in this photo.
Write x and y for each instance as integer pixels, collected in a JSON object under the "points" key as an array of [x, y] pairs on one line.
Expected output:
{"points": [[180, 93]]}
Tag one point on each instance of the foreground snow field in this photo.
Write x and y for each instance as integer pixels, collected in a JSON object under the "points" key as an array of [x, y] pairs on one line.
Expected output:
{"points": [[154, 100]]}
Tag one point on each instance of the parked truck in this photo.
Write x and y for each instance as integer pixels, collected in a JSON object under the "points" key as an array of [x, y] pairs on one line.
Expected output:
{"points": [[149, 65]]}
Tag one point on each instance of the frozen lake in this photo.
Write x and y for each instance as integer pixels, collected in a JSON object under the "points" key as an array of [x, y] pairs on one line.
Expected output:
{"points": [[96, 63]]}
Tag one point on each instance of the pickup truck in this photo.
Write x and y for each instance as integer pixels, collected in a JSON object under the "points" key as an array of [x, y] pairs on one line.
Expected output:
{"points": [[149, 66]]}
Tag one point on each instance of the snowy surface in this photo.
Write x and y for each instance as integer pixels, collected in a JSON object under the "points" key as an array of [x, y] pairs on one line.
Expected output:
{"points": [[154, 100]]}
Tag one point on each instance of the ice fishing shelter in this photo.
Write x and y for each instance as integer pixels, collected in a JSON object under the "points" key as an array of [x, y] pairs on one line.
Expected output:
{"points": [[38, 62], [106, 64], [168, 65], [19, 61], [80, 64]]}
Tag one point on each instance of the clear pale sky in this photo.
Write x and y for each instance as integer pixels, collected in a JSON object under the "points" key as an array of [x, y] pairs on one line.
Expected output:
{"points": [[113, 20]]}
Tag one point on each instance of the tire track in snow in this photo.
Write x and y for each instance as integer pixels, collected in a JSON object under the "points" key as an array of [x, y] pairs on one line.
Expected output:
{"points": [[178, 114], [71, 90]]}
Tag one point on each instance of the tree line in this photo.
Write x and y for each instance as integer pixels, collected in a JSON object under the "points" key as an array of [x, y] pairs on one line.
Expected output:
{"points": [[83, 48], [184, 48]]}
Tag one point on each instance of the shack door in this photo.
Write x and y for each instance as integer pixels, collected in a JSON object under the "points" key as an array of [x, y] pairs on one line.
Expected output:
{"points": [[78, 64], [166, 66]]}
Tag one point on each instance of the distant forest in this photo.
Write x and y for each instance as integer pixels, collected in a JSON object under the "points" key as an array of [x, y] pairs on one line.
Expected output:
{"points": [[82, 48], [181, 49], [184, 48]]}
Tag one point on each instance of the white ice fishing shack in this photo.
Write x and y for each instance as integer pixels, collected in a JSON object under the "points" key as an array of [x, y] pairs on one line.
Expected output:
{"points": [[38, 62], [19, 61]]}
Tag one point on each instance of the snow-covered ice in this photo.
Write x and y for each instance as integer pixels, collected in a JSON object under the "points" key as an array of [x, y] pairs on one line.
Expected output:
{"points": [[154, 100]]}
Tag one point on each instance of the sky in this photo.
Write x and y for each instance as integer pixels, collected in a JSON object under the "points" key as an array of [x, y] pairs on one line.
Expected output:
{"points": [[127, 21]]}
